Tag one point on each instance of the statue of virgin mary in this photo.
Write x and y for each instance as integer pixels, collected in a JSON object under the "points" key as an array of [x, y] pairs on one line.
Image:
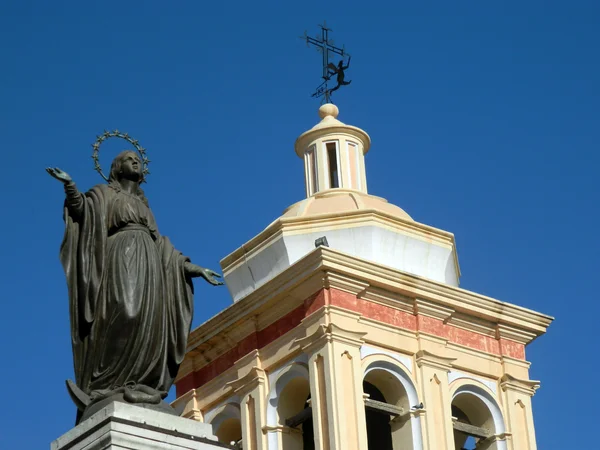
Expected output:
{"points": [[130, 293]]}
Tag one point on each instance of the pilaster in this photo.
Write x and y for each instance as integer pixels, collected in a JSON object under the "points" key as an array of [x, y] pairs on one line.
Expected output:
{"points": [[188, 405], [433, 382], [336, 387], [517, 395], [252, 390]]}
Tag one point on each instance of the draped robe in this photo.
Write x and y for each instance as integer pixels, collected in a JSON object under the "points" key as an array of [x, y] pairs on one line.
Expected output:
{"points": [[130, 300]]}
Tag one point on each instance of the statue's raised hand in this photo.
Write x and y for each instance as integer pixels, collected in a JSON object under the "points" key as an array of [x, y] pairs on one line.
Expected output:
{"points": [[196, 271], [61, 176]]}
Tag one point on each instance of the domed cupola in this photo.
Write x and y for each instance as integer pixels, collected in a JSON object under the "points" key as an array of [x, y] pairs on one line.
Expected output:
{"points": [[333, 154], [339, 208]]}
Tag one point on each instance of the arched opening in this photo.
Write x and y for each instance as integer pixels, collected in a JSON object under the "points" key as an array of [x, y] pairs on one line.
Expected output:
{"points": [[475, 425], [230, 432], [387, 411], [379, 432], [294, 411], [227, 425], [303, 422]]}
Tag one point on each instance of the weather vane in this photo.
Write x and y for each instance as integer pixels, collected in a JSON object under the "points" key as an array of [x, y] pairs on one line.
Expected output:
{"points": [[325, 45], [109, 134]]}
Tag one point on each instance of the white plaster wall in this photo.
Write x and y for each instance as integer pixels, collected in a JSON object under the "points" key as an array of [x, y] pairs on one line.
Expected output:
{"points": [[258, 269], [373, 243]]}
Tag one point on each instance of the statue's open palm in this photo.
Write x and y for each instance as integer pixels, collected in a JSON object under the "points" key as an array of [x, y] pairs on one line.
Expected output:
{"points": [[210, 276], [61, 176]]}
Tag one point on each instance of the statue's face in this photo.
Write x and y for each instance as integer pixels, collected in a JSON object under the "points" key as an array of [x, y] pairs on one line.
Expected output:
{"points": [[131, 166]]}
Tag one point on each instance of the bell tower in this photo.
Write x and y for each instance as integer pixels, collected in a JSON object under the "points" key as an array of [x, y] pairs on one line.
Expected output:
{"points": [[348, 329]]}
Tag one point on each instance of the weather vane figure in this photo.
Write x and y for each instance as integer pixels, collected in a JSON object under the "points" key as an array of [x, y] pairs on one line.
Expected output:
{"points": [[339, 71], [325, 46]]}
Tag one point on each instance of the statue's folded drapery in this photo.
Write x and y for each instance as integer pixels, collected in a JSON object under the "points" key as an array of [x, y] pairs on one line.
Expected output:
{"points": [[130, 300]]}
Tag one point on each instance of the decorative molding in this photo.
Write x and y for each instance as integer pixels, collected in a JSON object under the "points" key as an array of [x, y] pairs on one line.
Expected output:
{"points": [[446, 295], [425, 358], [290, 225], [528, 387], [349, 336], [317, 337], [344, 283], [320, 315], [294, 279], [189, 401], [327, 267], [335, 312], [471, 323], [431, 309], [367, 274], [514, 334], [248, 382], [328, 333], [516, 362], [388, 298], [251, 357], [434, 338]]}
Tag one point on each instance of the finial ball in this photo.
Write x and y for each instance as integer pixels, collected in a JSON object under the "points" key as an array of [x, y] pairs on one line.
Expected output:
{"points": [[328, 109]]}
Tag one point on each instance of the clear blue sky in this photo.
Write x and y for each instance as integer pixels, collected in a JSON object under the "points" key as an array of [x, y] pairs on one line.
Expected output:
{"points": [[484, 117]]}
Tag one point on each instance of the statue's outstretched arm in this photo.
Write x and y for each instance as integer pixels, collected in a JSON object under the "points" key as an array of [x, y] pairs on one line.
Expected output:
{"points": [[192, 270], [74, 197]]}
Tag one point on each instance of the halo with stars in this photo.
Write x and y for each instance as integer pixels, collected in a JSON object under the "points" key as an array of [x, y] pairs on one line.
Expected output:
{"points": [[110, 134]]}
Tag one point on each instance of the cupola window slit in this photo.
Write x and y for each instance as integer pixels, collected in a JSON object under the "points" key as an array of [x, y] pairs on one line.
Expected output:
{"points": [[332, 158]]}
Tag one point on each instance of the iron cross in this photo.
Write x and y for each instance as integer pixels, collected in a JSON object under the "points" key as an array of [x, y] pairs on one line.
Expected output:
{"points": [[324, 45]]}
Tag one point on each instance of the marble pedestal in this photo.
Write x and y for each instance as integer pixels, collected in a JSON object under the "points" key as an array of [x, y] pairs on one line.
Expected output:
{"points": [[124, 426]]}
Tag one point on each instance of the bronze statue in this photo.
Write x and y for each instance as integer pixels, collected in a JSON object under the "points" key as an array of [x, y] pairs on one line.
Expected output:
{"points": [[130, 292]]}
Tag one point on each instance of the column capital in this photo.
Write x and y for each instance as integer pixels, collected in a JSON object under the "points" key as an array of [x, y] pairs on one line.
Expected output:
{"points": [[329, 333], [528, 387], [243, 385]]}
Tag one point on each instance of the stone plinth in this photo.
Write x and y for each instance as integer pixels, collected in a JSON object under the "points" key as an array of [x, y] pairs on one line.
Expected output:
{"points": [[123, 426]]}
